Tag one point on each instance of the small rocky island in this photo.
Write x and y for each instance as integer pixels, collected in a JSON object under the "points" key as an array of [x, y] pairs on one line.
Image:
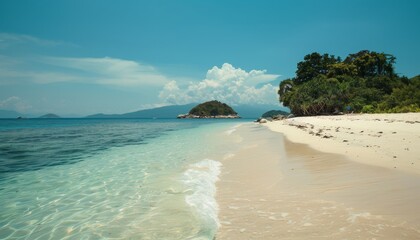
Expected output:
{"points": [[211, 109]]}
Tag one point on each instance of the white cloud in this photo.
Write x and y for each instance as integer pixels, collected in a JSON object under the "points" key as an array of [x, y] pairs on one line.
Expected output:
{"points": [[14, 103], [172, 94], [28, 66], [102, 71], [10, 39], [227, 84], [111, 71]]}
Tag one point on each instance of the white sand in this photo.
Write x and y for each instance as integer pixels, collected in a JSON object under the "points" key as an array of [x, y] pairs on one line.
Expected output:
{"points": [[386, 140], [271, 188]]}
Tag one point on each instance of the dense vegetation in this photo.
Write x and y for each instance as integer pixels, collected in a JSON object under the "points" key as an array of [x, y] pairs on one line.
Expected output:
{"points": [[212, 108], [363, 82]]}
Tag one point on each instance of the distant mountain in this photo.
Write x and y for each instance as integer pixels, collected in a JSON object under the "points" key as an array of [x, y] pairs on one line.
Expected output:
{"points": [[244, 111], [9, 114], [49, 115], [160, 112]]}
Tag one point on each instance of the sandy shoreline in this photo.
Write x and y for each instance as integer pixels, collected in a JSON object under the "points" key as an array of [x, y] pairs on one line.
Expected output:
{"points": [[386, 140], [273, 188]]}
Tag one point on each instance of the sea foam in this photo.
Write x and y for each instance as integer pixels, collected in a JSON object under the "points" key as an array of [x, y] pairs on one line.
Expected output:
{"points": [[233, 129], [200, 180]]}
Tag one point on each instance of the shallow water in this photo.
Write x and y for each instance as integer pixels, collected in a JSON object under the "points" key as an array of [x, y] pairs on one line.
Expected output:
{"points": [[109, 179]]}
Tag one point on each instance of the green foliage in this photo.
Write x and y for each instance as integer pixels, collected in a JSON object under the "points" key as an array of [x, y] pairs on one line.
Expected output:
{"points": [[321, 95], [285, 88], [363, 82], [368, 109], [314, 64], [371, 63], [212, 108]]}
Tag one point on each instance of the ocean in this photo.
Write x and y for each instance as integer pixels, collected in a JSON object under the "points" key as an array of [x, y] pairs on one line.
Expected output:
{"points": [[110, 178]]}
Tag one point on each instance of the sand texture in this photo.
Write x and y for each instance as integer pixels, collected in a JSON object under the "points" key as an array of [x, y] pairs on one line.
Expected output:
{"points": [[272, 188], [387, 140]]}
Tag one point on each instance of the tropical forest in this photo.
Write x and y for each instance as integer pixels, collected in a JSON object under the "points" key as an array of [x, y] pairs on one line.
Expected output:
{"points": [[364, 82]]}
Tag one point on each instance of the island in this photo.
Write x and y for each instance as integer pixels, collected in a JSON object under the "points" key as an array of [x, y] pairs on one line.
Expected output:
{"points": [[275, 114], [211, 109]]}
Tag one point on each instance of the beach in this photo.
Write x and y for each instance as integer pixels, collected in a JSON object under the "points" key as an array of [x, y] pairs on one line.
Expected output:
{"points": [[385, 140], [324, 177], [208, 179]]}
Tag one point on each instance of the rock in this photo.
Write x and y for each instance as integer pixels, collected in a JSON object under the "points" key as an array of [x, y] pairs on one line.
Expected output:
{"points": [[263, 120]]}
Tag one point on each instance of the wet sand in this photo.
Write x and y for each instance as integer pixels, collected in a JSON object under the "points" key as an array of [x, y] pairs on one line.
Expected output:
{"points": [[271, 188]]}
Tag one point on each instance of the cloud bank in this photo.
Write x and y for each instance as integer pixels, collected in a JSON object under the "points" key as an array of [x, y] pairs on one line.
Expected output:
{"points": [[227, 84], [14, 103], [102, 71], [33, 66], [108, 71], [8, 40]]}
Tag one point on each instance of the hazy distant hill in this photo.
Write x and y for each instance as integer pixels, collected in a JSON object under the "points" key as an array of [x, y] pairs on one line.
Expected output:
{"points": [[245, 111], [255, 111], [160, 112], [9, 114], [49, 115]]}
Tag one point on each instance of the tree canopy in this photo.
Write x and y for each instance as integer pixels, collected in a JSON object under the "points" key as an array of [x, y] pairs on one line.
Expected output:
{"points": [[363, 82]]}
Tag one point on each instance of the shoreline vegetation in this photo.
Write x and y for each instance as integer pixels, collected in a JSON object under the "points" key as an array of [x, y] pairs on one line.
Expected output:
{"points": [[364, 82], [329, 97]]}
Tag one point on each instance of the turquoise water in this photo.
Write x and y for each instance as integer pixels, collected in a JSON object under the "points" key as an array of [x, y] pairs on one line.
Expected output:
{"points": [[110, 179]]}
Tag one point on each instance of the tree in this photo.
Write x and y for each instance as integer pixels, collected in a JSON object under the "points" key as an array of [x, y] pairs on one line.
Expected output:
{"points": [[407, 95], [321, 95], [286, 86], [342, 69], [370, 64], [314, 64], [363, 82]]}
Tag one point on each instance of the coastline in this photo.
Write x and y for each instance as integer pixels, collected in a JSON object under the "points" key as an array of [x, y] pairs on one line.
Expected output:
{"points": [[385, 140], [272, 187]]}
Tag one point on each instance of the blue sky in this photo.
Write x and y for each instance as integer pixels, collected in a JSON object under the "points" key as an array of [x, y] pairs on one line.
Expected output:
{"points": [[83, 57]]}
